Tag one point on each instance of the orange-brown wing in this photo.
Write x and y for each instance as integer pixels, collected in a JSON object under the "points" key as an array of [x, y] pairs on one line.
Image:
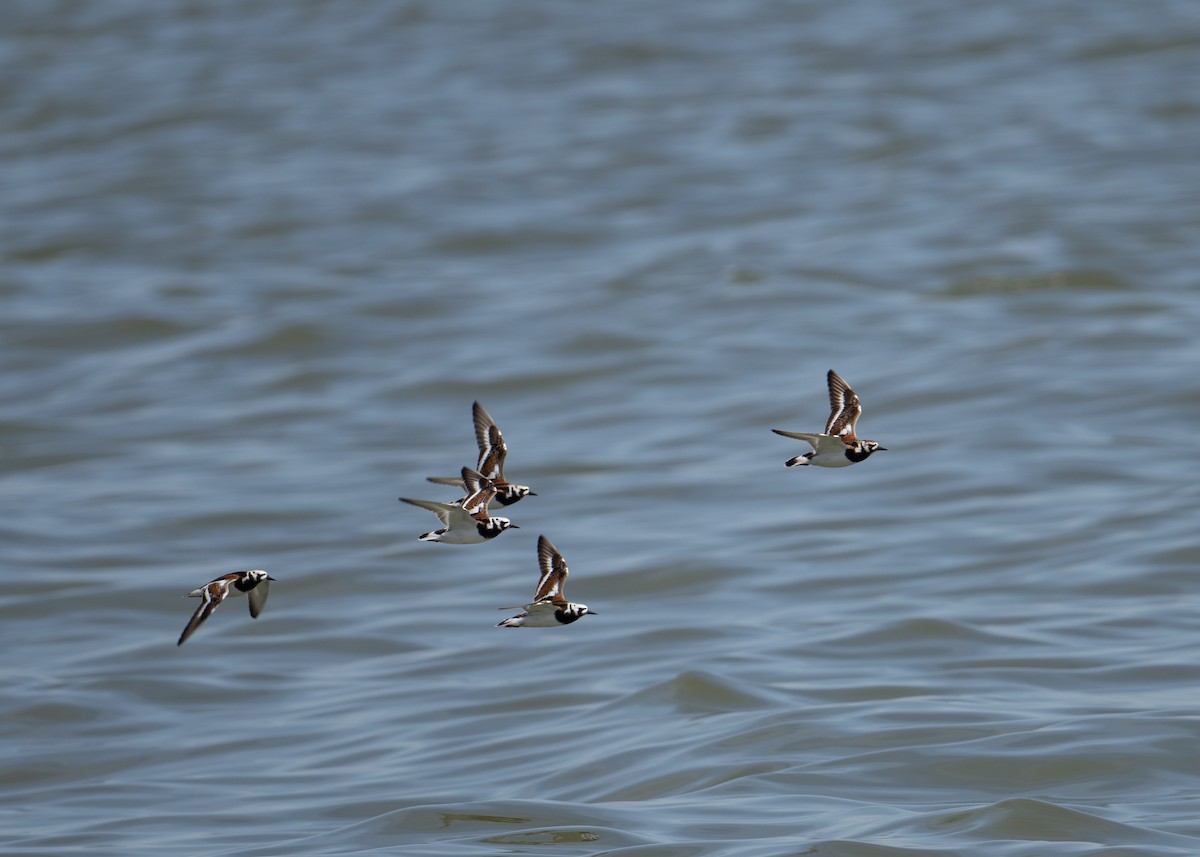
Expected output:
{"points": [[211, 596], [554, 572], [844, 408], [492, 450], [481, 491], [491, 463], [471, 480], [483, 425]]}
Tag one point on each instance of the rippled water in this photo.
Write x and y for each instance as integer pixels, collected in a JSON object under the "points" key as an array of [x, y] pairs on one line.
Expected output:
{"points": [[258, 260]]}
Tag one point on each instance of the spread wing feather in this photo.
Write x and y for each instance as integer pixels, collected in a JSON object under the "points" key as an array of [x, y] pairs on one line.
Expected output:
{"points": [[554, 572], [210, 599], [492, 449], [844, 407], [442, 510], [258, 597], [481, 491], [810, 437], [445, 480]]}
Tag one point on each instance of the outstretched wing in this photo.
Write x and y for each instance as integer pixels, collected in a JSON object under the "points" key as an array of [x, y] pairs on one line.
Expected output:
{"points": [[445, 480], [492, 449], [210, 599], [491, 462], [554, 572], [844, 407], [258, 597], [809, 437], [471, 481], [480, 492], [543, 607], [442, 510]]}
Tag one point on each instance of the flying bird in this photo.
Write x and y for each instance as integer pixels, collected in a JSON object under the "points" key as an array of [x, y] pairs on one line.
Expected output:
{"points": [[254, 583], [492, 452], [838, 446], [465, 521], [549, 606]]}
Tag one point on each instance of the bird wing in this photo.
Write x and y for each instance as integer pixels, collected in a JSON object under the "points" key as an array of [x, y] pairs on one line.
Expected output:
{"points": [[483, 424], [554, 572], [547, 606], [211, 597], [445, 480], [810, 437], [488, 438], [443, 510], [480, 492], [475, 482], [844, 407], [491, 462], [258, 597]]}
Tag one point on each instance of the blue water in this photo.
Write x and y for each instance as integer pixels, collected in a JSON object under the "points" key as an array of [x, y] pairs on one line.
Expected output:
{"points": [[259, 260]]}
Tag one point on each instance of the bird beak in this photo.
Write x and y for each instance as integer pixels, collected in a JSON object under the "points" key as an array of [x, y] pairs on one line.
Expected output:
{"points": [[592, 612], [514, 526], [532, 493], [882, 449], [269, 577]]}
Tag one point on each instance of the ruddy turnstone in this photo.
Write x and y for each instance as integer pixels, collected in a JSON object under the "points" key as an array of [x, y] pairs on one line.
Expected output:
{"points": [[492, 452], [254, 583], [549, 607], [466, 521], [838, 446]]}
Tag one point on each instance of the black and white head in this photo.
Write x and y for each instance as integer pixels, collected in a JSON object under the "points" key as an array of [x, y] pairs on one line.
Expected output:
{"points": [[861, 450], [250, 579], [568, 612], [493, 526], [255, 583], [507, 494]]}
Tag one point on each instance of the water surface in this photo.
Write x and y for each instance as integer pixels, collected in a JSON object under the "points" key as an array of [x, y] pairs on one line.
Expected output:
{"points": [[259, 261]]}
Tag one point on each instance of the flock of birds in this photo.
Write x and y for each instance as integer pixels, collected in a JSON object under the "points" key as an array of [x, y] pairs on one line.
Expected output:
{"points": [[468, 520]]}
